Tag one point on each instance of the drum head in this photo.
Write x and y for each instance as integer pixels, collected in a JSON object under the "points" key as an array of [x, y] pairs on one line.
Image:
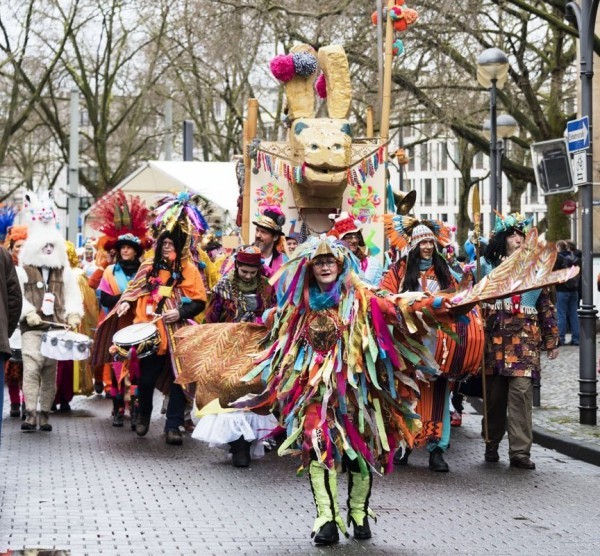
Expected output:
{"points": [[134, 334]]}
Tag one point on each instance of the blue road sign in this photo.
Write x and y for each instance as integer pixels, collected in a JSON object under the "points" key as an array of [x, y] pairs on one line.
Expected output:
{"points": [[578, 134]]}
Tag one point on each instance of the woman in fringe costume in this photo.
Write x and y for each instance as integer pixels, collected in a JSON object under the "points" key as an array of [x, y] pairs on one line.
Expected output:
{"points": [[341, 382], [517, 328], [240, 296], [424, 269], [169, 291]]}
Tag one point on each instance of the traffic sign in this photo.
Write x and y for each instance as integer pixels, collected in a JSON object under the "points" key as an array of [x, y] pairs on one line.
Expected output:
{"points": [[569, 206], [579, 168], [578, 134]]}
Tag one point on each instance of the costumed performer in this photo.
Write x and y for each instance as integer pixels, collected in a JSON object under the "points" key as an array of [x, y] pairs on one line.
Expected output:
{"points": [[50, 294], [517, 328], [270, 239], [342, 383], [240, 296], [422, 268], [123, 221], [13, 372], [71, 373], [349, 230], [168, 291]]}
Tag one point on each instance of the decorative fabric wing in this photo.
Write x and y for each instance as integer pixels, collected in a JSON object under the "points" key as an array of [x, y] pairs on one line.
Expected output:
{"points": [[216, 357], [527, 269]]}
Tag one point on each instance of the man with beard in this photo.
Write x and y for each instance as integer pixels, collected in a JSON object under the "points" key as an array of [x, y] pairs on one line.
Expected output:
{"points": [[269, 238]]}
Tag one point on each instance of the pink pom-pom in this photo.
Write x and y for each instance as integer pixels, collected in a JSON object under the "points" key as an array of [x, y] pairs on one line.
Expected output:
{"points": [[321, 86], [282, 67]]}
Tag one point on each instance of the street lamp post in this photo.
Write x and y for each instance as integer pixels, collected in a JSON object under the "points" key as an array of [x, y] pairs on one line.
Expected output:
{"points": [[506, 126], [492, 72], [584, 16]]}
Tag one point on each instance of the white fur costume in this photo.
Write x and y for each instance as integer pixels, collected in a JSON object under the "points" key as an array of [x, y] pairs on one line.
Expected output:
{"points": [[39, 372]]}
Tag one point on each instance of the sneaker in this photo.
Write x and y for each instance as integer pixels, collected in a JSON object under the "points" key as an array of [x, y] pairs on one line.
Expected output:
{"points": [[455, 419]]}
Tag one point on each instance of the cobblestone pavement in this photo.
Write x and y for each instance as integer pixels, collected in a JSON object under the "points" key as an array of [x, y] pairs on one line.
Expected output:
{"points": [[93, 489], [558, 413]]}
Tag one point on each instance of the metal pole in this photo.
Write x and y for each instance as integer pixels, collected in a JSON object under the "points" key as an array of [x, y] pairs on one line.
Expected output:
{"points": [[73, 195], [188, 140], [585, 17], [400, 166], [380, 55], [493, 155], [501, 150], [168, 130]]}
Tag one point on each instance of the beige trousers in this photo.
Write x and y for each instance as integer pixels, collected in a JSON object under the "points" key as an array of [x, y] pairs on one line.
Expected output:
{"points": [[509, 407], [39, 373]]}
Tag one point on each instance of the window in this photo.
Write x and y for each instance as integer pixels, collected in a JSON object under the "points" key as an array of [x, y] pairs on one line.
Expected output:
{"points": [[479, 161], [443, 156], [411, 158], [427, 191], [218, 108], [424, 157], [441, 191], [534, 193], [444, 217], [457, 154]]}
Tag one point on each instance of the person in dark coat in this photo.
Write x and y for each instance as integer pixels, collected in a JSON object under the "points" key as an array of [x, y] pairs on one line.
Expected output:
{"points": [[11, 302]]}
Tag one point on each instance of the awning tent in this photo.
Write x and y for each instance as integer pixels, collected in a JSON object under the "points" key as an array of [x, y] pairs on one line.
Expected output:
{"points": [[215, 181]]}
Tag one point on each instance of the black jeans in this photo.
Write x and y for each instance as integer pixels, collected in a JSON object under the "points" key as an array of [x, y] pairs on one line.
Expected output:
{"points": [[151, 368]]}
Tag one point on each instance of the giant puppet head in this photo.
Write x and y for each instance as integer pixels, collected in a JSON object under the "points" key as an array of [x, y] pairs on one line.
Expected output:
{"points": [[45, 245], [320, 148]]}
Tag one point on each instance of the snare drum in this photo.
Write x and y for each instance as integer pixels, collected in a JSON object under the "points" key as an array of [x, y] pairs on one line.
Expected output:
{"points": [[65, 345], [143, 337]]}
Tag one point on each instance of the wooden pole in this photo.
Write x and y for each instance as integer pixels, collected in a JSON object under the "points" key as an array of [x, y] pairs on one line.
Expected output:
{"points": [[250, 126], [370, 129], [387, 77]]}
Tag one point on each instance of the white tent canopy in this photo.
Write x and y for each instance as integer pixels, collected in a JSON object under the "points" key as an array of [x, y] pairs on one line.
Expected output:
{"points": [[215, 181]]}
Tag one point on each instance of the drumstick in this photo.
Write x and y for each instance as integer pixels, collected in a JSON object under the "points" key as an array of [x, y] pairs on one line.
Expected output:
{"points": [[57, 324]]}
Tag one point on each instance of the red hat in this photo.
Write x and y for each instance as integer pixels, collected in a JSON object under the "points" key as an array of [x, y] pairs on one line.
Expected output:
{"points": [[343, 224], [249, 255]]}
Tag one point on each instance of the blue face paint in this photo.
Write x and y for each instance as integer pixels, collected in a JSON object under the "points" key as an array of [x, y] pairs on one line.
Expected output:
{"points": [[299, 127]]}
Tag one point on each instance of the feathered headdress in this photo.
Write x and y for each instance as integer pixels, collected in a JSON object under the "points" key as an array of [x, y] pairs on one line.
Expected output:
{"points": [[513, 220], [7, 217], [178, 211], [117, 214], [405, 232], [291, 277]]}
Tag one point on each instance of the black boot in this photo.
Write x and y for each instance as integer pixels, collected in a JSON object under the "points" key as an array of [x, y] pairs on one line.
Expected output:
{"points": [[240, 452], [401, 458], [437, 462], [327, 534], [142, 425], [133, 411], [15, 410], [118, 412]]}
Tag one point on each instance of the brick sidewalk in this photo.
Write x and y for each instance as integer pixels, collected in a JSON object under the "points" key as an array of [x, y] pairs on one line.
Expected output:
{"points": [[93, 489]]}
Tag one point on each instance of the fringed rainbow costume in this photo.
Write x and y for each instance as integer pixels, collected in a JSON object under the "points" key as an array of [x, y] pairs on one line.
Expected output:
{"points": [[341, 381], [343, 384]]}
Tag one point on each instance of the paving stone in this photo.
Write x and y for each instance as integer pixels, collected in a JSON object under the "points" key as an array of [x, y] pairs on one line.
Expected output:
{"points": [[94, 489]]}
